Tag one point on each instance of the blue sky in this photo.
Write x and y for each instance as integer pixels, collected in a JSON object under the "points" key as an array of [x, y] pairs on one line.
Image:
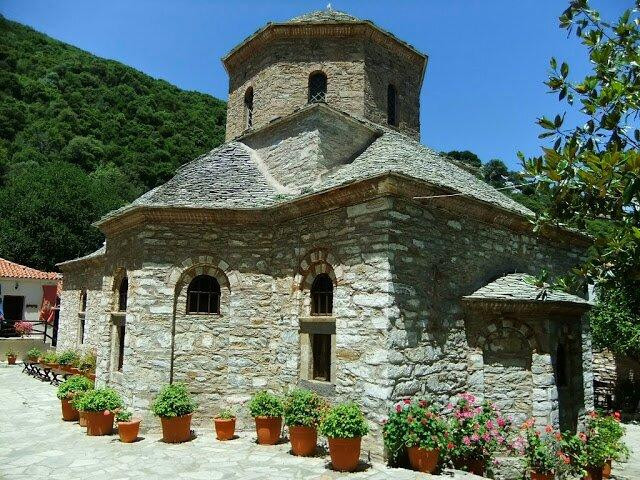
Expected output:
{"points": [[487, 59]]}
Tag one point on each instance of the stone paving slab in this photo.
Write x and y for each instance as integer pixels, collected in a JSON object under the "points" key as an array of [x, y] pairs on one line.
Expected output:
{"points": [[36, 444]]}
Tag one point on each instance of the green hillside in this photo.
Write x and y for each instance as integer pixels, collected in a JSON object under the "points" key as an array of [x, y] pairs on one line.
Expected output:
{"points": [[81, 135]]}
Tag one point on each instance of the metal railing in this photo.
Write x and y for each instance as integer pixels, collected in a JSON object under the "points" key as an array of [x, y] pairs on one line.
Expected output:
{"points": [[47, 331]]}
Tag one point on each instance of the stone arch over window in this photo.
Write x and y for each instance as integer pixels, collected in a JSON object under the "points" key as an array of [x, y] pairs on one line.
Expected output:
{"points": [[322, 295], [248, 107], [181, 277], [315, 262], [392, 105], [317, 87]]}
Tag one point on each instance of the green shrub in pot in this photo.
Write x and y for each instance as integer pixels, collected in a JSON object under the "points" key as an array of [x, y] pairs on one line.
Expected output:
{"points": [[99, 400], [72, 386], [173, 401], [265, 404]]}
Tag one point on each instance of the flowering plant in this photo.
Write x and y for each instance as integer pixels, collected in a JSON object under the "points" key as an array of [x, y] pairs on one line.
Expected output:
{"points": [[476, 430], [604, 438], [23, 328], [541, 450], [413, 424]]}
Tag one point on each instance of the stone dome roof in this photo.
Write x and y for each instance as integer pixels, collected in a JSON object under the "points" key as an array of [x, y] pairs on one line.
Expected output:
{"points": [[328, 15]]}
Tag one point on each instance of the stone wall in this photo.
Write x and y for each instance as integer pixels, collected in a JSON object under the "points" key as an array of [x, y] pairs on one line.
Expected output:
{"points": [[437, 258], [616, 381], [358, 74], [400, 271]]}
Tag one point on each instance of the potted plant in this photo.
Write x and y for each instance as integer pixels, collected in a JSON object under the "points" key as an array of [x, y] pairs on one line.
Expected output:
{"points": [[541, 450], [98, 407], [87, 364], [66, 360], [225, 424], [11, 356], [267, 410], [50, 359], [476, 432], [417, 427], [344, 426], [23, 328], [66, 393], [603, 444], [128, 427], [174, 406], [33, 354], [76, 403], [303, 410]]}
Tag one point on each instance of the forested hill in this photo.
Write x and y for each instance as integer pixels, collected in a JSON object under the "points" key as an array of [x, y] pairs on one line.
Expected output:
{"points": [[81, 135]]}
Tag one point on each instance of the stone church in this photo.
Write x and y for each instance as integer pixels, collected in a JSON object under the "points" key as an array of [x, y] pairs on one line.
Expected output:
{"points": [[324, 246]]}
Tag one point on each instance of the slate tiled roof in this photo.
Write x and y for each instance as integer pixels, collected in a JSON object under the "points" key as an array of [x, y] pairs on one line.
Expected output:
{"points": [[15, 270], [232, 176], [98, 253], [395, 152], [515, 287], [327, 15]]}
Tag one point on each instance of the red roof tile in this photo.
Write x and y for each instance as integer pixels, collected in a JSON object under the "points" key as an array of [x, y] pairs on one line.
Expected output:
{"points": [[14, 270]]}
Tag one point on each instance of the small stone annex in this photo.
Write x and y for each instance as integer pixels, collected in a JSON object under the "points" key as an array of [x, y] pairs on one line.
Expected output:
{"points": [[324, 246]]}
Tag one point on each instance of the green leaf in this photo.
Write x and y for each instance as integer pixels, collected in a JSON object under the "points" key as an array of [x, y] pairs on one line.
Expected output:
{"points": [[564, 70]]}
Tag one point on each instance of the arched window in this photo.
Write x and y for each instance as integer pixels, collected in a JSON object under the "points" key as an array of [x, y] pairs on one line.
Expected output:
{"points": [[123, 290], [322, 295], [317, 87], [83, 301], [248, 107], [392, 104], [203, 295]]}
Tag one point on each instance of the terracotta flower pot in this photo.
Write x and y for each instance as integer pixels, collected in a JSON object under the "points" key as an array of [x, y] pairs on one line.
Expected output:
{"points": [[11, 359], [225, 428], [471, 465], [303, 440], [33, 359], [69, 414], [542, 476], [423, 460], [594, 473], [176, 429], [606, 470], [128, 431], [82, 420], [91, 376], [345, 453], [268, 430], [99, 423]]}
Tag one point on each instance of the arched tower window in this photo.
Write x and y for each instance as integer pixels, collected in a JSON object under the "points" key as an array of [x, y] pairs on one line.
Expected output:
{"points": [[317, 87], [203, 295], [123, 291], [322, 295], [392, 105], [248, 107]]}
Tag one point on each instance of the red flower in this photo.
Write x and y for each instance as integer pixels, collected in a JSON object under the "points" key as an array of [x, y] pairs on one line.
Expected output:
{"points": [[450, 445], [398, 408], [593, 414], [406, 400], [548, 429], [616, 415], [422, 403]]}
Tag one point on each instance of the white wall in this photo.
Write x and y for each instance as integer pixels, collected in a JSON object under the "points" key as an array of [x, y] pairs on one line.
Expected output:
{"points": [[30, 289]]}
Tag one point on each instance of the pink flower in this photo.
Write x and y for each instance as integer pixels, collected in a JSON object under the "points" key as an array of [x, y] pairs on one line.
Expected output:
{"points": [[449, 406], [617, 416], [407, 401], [398, 408], [486, 437], [501, 422], [489, 424], [475, 437], [548, 429], [500, 439], [466, 440]]}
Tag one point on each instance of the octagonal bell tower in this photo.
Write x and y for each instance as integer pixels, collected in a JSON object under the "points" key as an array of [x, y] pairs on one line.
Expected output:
{"points": [[325, 56]]}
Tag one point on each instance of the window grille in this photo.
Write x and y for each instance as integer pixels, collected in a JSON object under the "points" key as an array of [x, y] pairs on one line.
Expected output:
{"points": [[322, 295], [317, 87], [203, 295]]}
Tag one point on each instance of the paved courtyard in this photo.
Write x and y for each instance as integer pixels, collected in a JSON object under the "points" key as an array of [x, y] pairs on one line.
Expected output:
{"points": [[36, 444]]}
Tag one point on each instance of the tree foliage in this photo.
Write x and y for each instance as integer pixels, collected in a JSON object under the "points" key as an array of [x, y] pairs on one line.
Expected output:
{"points": [[592, 171], [111, 128]]}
